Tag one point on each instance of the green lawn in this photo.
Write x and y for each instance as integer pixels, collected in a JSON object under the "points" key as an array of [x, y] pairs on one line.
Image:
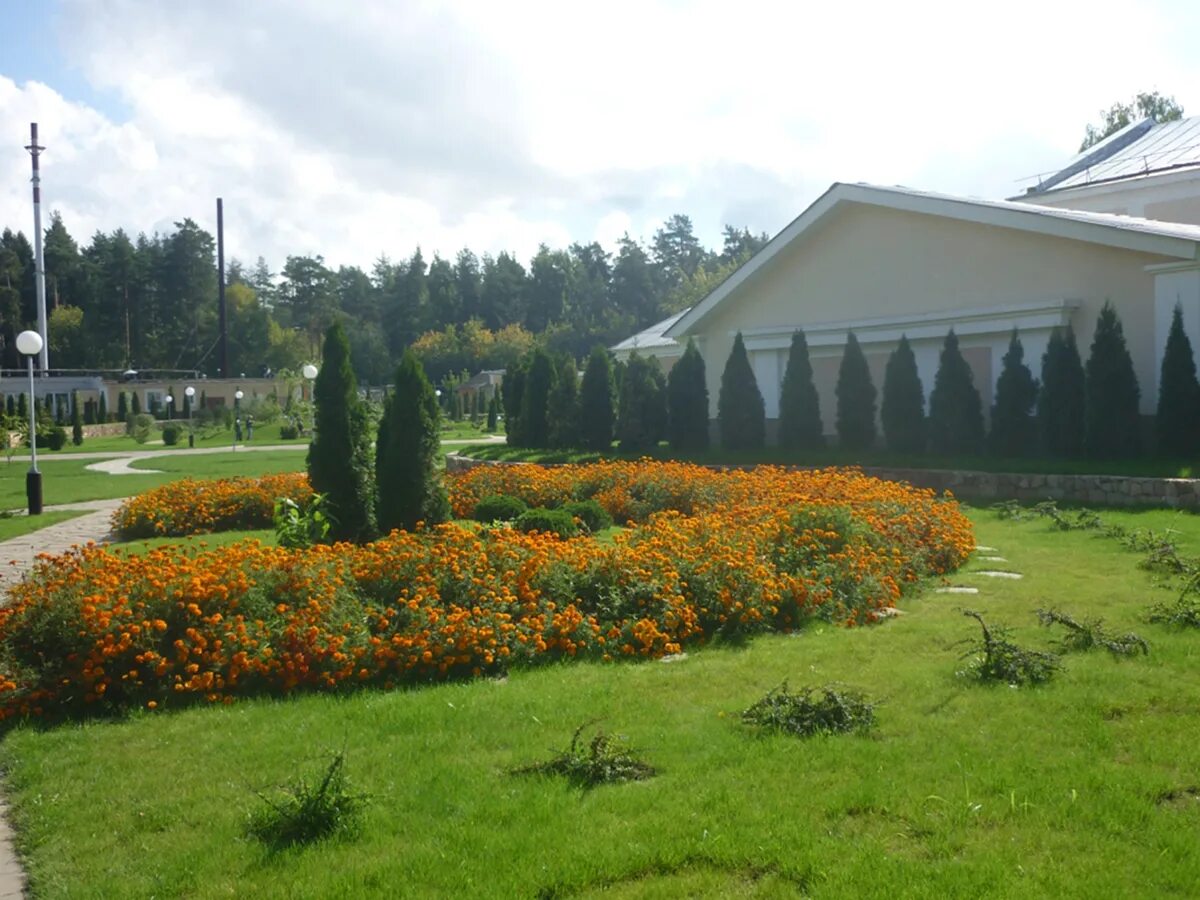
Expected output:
{"points": [[1076, 788], [198, 542]]}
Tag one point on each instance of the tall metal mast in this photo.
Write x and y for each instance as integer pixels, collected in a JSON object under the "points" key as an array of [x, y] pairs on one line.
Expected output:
{"points": [[39, 259]]}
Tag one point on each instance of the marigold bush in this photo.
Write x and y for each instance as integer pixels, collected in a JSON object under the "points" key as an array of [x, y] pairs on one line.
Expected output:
{"points": [[192, 506], [715, 554]]}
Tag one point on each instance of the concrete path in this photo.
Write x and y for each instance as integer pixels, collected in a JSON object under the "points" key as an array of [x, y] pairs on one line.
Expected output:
{"points": [[18, 554]]}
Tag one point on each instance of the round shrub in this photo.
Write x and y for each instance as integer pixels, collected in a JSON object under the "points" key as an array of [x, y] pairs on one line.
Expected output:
{"points": [[288, 432], [58, 437], [594, 516], [171, 435], [548, 521], [499, 508]]}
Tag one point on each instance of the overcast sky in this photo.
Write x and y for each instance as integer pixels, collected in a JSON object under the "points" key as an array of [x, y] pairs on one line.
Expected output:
{"points": [[367, 128]]}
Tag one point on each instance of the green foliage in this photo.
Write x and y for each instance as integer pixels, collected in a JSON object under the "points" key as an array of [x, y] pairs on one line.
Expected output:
{"points": [[535, 400], [1144, 105], [1182, 612], [1091, 633], [135, 405], [1112, 425], [562, 406], [493, 413], [741, 413], [996, 658], [306, 811], [122, 406], [297, 526], [513, 394], [289, 431], [339, 457], [499, 508], [1013, 427], [76, 419], [102, 415], [141, 426], [855, 399], [830, 709], [687, 402], [594, 516], [955, 410], [170, 435], [642, 410], [1177, 420], [558, 522], [799, 406], [408, 482], [600, 761], [903, 407], [597, 402], [57, 438], [1060, 404]]}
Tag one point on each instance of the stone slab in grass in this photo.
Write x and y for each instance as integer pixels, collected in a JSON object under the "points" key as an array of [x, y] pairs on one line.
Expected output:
{"points": [[956, 589], [991, 574]]}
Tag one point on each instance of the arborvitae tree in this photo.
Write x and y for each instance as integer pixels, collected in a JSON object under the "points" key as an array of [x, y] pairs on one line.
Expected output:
{"points": [[903, 406], [1013, 426], [855, 399], [687, 402], [1177, 421], [102, 415], [408, 484], [23, 406], [493, 413], [741, 413], [76, 420], [1112, 427], [135, 407], [955, 409], [535, 400], [1061, 398], [642, 410], [597, 416], [476, 406], [89, 412], [10, 405], [203, 400], [799, 406], [514, 390], [339, 457], [562, 407], [59, 413]]}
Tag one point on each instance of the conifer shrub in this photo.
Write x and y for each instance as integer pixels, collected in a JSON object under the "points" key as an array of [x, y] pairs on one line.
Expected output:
{"points": [[499, 508], [76, 420], [1112, 425], [1060, 400], [122, 406], [597, 394], [642, 409], [741, 413], [799, 406], [513, 393], [135, 405], [408, 483], [903, 407], [562, 406], [594, 516], [535, 400], [103, 412], [1177, 419], [558, 522], [955, 409], [493, 413], [1014, 431], [89, 412], [855, 399], [170, 435], [57, 438], [687, 402], [339, 457]]}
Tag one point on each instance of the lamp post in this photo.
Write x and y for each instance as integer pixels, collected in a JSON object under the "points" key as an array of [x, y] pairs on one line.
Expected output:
{"points": [[309, 372], [190, 393], [29, 343], [167, 401], [237, 403]]}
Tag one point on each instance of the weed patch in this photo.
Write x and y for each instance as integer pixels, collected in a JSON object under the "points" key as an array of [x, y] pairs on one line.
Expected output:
{"points": [[830, 709], [307, 811], [590, 764], [996, 658], [1090, 633]]}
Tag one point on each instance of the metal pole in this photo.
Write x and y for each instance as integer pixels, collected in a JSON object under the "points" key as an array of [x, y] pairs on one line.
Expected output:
{"points": [[39, 259], [222, 323], [33, 478]]}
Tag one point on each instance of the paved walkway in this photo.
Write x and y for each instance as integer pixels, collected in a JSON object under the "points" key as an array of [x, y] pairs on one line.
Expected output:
{"points": [[18, 554]]}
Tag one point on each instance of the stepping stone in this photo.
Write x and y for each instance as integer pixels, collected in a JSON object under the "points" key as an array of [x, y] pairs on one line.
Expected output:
{"points": [[889, 612], [982, 549], [990, 574], [955, 589], [992, 559]]}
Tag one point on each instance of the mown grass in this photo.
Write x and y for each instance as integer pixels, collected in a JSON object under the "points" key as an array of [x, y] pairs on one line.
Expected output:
{"points": [[962, 789], [198, 542]]}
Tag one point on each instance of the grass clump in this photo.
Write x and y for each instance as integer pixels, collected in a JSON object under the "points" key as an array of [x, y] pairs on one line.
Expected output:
{"points": [[996, 658], [307, 811], [499, 508], [830, 709], [1090, 633], [590, 764]]}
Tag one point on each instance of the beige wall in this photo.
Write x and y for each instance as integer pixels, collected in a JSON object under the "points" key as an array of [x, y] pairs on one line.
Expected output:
{"points": [[869, 263], [1172, 196]]}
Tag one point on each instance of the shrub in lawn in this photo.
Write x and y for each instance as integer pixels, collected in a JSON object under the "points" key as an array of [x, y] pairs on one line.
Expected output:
{"points": [[170, 435], [1112, 424], [288, 432], [76, 419], [141, 426], [499, 508], [308, 810], [1177, 421], [830, 709], [903, 408], [594, 516], [741, 413], [548, 521], [1091, 633], [58, 438], [587, 765], [855, 399], [996, 658], [1060, 401]]}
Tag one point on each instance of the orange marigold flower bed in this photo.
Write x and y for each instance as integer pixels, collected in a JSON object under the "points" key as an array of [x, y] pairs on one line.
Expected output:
{"points": [[192, 506], [712, 554]]}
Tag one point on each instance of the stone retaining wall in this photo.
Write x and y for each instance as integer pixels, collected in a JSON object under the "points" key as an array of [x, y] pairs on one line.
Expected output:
{"points": [[1108, 490]]}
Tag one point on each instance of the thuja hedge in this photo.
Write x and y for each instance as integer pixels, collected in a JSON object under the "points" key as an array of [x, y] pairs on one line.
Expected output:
{"points": [[712, 554]]}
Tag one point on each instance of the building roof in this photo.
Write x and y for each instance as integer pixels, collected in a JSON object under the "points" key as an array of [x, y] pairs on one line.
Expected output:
{"points": [[1170, 239], [1137, 150], [651, 338]]}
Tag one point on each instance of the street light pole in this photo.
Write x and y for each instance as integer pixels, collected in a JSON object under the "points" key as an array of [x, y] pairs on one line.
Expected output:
{"points": [[190, 393], [29, 343], [237, 403]]}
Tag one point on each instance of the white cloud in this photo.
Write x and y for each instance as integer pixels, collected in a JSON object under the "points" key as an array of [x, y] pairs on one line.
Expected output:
{"points": [[500, 126]]}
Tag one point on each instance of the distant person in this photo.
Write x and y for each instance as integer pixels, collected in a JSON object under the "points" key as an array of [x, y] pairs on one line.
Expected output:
{"points": [[237, 429], [249, 428]]}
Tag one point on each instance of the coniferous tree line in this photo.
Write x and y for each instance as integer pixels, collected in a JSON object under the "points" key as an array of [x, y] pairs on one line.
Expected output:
{"points": [[150, 302]]}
